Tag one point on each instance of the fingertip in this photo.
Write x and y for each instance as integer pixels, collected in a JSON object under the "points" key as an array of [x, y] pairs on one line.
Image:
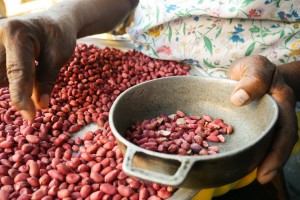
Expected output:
{"points": [[28, 114], [268, 169], [23, 103], [40, 101], [239, 97], [265, 177], [44, 101]]}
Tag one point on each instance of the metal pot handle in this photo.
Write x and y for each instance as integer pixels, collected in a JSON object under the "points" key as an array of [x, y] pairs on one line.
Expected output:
{"points": [[165, 179]]}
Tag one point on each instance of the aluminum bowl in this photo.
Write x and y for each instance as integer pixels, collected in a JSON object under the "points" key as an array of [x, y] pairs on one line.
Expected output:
{"points": [[239, 155]]}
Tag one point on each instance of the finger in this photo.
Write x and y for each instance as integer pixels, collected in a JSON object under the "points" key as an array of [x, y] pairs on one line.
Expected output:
{"points": [[44, 83], [46, 73], [285, 138], [50, 63], [255, 75], [20, 69]]}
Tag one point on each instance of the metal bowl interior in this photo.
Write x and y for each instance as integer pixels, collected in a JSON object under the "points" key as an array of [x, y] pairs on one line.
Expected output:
{"points": [[239, 155]]}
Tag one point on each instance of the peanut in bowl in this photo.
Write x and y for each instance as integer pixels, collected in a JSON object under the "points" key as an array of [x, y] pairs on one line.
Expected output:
{"points": [[239, 155]]}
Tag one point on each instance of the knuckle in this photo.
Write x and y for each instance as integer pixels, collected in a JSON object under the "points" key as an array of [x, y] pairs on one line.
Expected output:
{"points": [[283, 94], [263, 78], [256, 62], [13, 73], [14, 28]]}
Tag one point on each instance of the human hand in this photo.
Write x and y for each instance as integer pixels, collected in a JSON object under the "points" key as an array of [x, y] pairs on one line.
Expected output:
{"points": [[23, 42], [258, 76]]}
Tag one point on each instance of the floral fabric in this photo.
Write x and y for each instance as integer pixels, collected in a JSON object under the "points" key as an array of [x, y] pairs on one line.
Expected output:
{"points": [[211, 34]]}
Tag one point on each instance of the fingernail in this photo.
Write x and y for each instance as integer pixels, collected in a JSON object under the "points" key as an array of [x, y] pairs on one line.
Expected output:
{"points": [[44, 101], [239, 98]]}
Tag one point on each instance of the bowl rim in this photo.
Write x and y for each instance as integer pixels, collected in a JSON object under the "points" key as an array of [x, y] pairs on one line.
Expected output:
{"points": [[184, 157]]}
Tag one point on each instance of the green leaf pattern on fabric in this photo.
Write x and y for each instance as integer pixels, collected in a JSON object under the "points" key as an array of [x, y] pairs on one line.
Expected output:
{"points": [[247, 2], [212, 34], [250, 49], [170, 34], [208, 44]]}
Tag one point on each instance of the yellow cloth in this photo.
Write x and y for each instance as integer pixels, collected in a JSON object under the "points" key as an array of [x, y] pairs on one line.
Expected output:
{"points": [[297, 146], [207, 194]]}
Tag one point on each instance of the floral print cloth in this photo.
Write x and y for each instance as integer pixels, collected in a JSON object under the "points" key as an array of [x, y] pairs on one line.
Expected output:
{"points": [[211, 34]]}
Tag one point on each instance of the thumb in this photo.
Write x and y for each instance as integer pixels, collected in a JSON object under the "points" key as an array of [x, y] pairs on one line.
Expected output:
{"points": [[254, 75]]}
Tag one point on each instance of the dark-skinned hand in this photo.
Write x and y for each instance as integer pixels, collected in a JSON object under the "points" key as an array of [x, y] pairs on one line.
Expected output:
{"points": [[256, 76], [32, 51]]}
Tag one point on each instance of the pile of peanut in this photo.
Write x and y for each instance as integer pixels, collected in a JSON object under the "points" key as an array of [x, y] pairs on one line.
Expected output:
{"points": [[41, 160]]}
